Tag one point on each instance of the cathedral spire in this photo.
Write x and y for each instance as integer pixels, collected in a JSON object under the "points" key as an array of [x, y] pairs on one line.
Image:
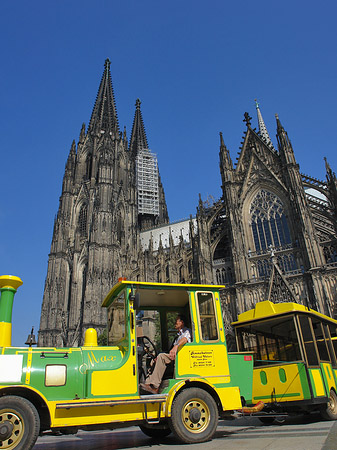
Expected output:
{"points": [[262, 127], [104, 115], [138, 139]]}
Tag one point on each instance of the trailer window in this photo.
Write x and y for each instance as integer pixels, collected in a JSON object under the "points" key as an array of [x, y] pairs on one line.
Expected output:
{"points": [[271, 341], [329, 344], [308, 341], [208, 323], [333, 334], [117, 330], [320, 340]]}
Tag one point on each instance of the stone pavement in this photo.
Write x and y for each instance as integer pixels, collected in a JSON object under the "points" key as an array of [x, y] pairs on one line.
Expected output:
{"points": [[300, 433], [331, 440]]}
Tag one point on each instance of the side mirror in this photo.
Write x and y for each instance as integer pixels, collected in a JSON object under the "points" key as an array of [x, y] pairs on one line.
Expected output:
{"points": [[135, 299], [136, 303]]}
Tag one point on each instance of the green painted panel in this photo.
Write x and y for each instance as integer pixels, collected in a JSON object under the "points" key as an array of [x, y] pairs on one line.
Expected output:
{"points": [[282, 374], [73, 388], [304, 381], [241, 373], [263, 377]]}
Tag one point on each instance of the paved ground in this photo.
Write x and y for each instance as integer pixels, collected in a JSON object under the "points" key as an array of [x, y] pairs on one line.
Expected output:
{"points": [[300, 433]]}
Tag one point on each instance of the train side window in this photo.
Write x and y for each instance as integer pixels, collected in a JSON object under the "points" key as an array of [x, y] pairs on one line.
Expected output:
{"points": [[330, 344], [271, 341], [247, 342], [333, 334], [322, 348], [308, 341], [208, 322]]}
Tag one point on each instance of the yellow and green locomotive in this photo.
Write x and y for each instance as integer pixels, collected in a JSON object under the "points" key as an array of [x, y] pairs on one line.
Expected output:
{"points": [[95, 387]]}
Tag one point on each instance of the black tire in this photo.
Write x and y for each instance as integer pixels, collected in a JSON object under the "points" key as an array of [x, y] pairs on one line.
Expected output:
{"points": [[19, 423], [194, 416], [156, 431], [329, 411]]}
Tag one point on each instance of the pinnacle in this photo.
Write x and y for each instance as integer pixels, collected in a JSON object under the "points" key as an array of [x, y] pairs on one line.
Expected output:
{"points": [[262, 127], [222, 143], [104, 114], [138, 140], [278, 122]]}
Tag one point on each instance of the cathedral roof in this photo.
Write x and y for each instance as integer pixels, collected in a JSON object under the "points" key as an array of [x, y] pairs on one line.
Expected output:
{"points": [[104, 115], [162, 234], [138, 139]]}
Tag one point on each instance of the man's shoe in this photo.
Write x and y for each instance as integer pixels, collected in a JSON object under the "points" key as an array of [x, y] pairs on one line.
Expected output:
{"points": [[149, 388]]}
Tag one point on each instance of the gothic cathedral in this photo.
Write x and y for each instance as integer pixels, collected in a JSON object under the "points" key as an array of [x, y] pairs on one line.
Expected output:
{"points": [[271, 223]]}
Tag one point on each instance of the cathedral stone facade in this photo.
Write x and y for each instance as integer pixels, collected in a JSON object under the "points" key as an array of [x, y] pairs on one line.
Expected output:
{"points": [[113, 221]]}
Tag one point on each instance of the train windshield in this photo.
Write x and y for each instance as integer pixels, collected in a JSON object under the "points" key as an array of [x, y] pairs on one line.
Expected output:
{"points": [[117, 321]]}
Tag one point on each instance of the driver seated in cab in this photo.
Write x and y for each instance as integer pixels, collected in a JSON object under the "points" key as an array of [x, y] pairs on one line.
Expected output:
{"points": [[153, 381]]}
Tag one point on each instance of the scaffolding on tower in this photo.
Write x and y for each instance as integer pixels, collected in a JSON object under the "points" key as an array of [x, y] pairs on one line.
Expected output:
{"points": [[147, 182]]}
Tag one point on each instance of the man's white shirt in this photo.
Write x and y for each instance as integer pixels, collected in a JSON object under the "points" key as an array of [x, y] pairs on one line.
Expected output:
{"points": [[184, 332]]}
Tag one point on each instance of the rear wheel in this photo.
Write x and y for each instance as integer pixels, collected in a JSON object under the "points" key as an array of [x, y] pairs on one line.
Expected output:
{"points": [[19, 423], [194, 416], [329, 411]]}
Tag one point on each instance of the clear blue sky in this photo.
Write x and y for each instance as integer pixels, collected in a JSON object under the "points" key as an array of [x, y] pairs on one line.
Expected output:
{"points": [[196, 66]]}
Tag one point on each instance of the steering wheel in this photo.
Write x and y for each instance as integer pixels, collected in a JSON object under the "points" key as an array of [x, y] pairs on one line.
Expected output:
{"points": [[147, 352], [149, 349]]}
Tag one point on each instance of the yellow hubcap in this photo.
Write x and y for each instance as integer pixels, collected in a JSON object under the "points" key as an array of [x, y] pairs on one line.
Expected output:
{"points": [[195, 415], [11, 429]]}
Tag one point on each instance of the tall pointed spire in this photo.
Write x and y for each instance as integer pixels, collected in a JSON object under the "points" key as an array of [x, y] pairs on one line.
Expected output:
{"points": [[262, 127], [138, 139], [104, 115]]}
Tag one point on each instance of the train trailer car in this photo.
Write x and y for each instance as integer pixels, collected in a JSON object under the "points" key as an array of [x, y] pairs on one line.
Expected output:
{"points": [[295, 365]]}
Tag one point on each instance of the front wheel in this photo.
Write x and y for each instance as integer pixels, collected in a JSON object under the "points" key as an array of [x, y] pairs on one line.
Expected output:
{"points": [[194, 416], [19, 423], [329, 411]]}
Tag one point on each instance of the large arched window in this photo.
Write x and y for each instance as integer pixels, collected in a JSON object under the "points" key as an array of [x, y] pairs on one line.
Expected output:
{"points": [[82, 220], [269, 223]]}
